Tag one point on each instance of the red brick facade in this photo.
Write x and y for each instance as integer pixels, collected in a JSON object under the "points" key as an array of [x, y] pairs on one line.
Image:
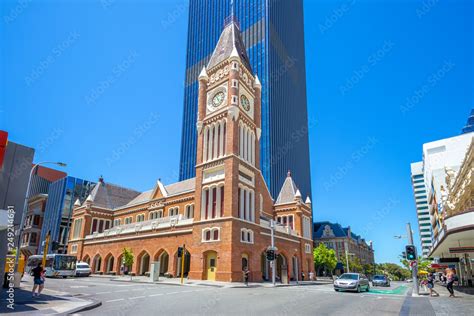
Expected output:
{"points": [[232, 207]]}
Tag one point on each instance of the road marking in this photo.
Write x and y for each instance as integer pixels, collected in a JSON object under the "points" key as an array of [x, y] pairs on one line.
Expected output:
{"points": [[172, 293], [121, 291], [78, 286], [137, 289], [107, 292], [116, 300], [159, 294], [136, 297]]}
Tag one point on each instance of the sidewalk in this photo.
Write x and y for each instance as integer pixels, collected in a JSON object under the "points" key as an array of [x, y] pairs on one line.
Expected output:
{"points": [[462, 304], [49, 302], [186, 282]]}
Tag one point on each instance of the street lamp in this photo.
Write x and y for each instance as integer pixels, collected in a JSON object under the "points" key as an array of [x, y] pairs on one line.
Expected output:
{"points": [[25, 206]]}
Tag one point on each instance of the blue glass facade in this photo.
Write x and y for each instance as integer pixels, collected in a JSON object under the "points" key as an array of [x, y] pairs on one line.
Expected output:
{"points": [[62, 195], [470, 124], [273, 34]]}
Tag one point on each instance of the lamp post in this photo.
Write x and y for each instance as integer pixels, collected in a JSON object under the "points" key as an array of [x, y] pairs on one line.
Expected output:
{"points": [[25, 206]]}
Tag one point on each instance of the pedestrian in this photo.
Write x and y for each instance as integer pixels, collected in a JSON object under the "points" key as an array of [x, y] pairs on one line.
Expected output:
{"points": [[38, 279], [430, 283], [302, 276], [450, 278], [246, 275], [311, 275], [424, 283]]}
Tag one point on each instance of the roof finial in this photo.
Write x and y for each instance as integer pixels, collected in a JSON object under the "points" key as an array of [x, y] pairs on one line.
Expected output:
{"points": [[289, 173], [231, 8]]}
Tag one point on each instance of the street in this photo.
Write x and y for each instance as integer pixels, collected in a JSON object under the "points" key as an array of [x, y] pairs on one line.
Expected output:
{"points": [[123, 298]]}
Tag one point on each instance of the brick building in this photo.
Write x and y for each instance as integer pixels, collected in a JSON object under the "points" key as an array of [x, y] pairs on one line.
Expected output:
{"points": [[223, 214]]}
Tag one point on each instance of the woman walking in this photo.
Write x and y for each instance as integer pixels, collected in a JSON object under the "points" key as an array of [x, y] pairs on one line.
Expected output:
{"points": [[38, 279], [450, 278], [430, 283]]}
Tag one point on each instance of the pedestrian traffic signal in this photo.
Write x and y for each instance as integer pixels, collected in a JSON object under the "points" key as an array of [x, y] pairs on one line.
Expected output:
{"points": [[270, 255], [411, 252], [180, 252], [54, 245]]}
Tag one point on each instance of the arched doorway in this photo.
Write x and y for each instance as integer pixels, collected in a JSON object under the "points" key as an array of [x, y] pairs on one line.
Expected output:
{"points": [[281, 268], [97, 264], [87, 259], [265, 267], [109, 264], [187, 264], [294, 268], [163, 258], [245, 261], [143, 263], [211, 265]]}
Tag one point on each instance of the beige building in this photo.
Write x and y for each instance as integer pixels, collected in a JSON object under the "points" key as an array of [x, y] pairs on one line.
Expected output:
{"points": [[452, 219]]}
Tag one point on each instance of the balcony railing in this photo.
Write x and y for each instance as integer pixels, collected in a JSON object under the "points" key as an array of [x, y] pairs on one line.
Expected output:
{"points": [[149, 225]]}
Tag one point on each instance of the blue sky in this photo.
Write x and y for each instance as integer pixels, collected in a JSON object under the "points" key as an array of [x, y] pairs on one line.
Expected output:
{"points": [[99, 85]]}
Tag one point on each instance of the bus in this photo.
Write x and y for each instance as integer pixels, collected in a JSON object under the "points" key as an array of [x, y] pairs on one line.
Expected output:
{"points": [[57, 265]]}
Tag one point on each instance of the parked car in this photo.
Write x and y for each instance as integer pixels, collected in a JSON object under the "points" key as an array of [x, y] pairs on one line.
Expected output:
{"points": [[380, 280], [352, 282], [83, 269]]}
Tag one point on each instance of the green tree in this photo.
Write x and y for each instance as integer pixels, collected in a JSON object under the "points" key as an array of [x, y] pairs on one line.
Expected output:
{"points": [[354, 265], [128, 259], [393, 271], [324, 257]]}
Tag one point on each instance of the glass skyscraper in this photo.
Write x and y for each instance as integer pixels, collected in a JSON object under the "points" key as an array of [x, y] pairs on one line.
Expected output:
{"points": [[273, 33]]}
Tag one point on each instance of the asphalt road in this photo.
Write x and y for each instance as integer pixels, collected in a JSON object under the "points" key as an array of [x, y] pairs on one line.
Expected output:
{"points": [[120, 298]]}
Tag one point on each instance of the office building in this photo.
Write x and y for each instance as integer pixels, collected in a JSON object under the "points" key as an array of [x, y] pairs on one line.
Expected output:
{"points": [[14, 174], [469, 124], [421, 203], [273, 34]]}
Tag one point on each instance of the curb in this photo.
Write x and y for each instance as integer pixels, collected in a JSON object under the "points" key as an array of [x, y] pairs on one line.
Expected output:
{"points": [[93, 304]]}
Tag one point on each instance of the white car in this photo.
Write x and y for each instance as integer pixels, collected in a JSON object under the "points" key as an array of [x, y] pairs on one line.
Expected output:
{"points": [[83, 269]]}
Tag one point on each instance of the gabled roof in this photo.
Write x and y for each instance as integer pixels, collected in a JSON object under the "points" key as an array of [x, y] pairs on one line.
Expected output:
{"points": [[328, 230], [171, 189], [111, 196], [230, 44], [288, 191]]}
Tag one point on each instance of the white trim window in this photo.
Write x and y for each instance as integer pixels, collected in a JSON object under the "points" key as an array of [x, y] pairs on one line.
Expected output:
{"points": [[246, 236], [214, 142], [246, 203], [74, 248], [140, 218], [99, 225], [211, 234], [117, 222], [212, 200], [306, 227], [77, 228], [189, 211], [287, 221], [246, 143], [155, 214], [307, 248], [173, 211], [128, 220]]}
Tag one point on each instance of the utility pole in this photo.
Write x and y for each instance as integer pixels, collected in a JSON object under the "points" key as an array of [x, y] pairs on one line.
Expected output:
{"points": [[272, 226], [414, 265], [45, 249]]}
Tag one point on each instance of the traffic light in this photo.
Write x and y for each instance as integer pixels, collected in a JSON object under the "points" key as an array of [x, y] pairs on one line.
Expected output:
{"points": [[55, 245], [270, 255], [411, 252], [180, 252]]}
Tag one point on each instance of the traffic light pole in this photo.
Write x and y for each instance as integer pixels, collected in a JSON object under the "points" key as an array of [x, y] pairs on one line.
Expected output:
{"points": [[414, 268], [272, 226]]}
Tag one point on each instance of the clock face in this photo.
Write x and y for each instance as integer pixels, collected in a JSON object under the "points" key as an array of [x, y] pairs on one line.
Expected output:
{"points": [[244, 101], [217, 99]]}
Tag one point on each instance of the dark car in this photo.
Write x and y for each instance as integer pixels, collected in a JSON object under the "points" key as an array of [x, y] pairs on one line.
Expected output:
{"points": [[352, 282], [380, 280]]}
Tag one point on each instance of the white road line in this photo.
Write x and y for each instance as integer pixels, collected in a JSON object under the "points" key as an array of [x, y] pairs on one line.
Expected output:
{"points": [[121, 291], [116, 300], [159, 294], [107, 292], [173, 293], [136, 297]]}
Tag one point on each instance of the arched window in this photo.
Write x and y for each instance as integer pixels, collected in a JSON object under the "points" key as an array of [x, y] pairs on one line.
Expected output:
{"points": [[246, 235], [117, 222], [189, 211], [210, 234]]}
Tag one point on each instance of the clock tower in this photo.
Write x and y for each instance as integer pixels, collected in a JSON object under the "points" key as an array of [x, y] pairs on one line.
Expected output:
{"points": [[230, 189]]}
